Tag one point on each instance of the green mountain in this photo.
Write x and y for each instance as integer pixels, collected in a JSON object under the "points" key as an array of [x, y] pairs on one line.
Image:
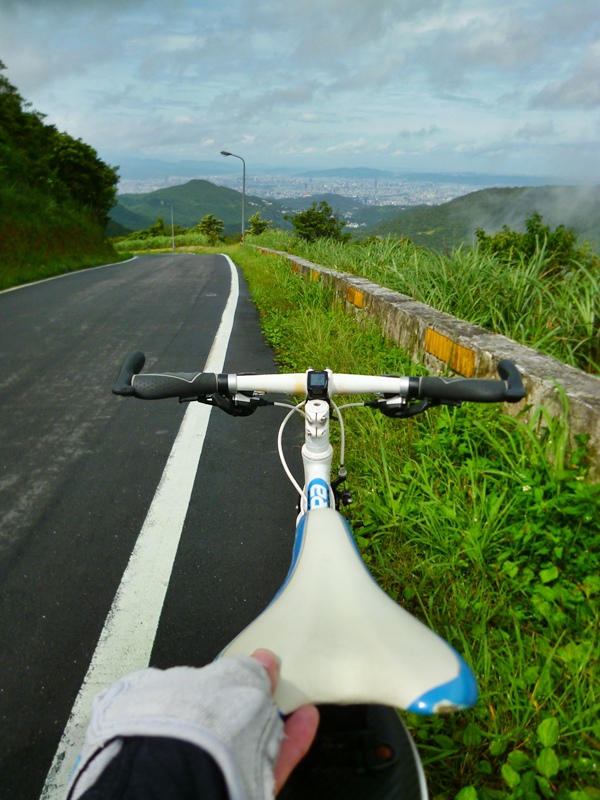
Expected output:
{"points": [[450, 224], [195, 199], [191, 201], [437, 227]]}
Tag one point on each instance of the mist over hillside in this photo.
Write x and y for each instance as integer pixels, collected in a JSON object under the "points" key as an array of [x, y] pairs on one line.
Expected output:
{"points": [[455, 222]]}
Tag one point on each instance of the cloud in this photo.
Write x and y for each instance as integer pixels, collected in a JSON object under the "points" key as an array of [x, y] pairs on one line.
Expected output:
{"points": [[358, 145], [536, 130], [422, 133], [238, 106], [337, 29], [73, 6], [580, 90], [328, 79]]}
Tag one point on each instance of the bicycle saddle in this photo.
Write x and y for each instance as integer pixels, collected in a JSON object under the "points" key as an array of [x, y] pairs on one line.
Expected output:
{"points": [[342, 640]]}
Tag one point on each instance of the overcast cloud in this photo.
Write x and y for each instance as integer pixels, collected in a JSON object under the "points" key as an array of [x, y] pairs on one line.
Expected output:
{"points": [[440, 85]]}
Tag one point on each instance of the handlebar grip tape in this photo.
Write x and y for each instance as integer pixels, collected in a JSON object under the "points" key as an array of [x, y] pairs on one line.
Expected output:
{"points": [[177, 384], [477, 390], [473, 389], [130, 383]]}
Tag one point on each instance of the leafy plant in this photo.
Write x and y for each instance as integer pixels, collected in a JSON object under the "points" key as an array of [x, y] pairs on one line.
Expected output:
{"points": [[211, 227], [257, 224], [318, 222], [559, 246]]}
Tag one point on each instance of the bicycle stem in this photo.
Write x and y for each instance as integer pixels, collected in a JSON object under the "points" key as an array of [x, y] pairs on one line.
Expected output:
{"points": [[317, 455]]}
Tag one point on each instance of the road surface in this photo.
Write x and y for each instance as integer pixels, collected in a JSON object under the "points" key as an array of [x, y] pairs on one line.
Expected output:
{"points": [[80, 468]]}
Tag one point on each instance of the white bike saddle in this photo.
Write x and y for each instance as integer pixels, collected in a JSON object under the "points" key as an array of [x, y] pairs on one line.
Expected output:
{"points": [[342, 640]]}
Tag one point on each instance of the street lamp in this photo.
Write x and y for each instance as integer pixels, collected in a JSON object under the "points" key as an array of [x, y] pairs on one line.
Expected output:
{"points": [[164, 203], [226, 153]]}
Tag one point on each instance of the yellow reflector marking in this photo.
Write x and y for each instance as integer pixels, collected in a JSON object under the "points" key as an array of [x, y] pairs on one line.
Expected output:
{"points": [[459, 358], [355, 297]]}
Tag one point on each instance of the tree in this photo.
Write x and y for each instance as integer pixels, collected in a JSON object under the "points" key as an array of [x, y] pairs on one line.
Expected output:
{"points": [[211, 227], [37, 155], [88, 180], [25, 141], [559, 245], [318, 222], [156, 229], [257, 224]]}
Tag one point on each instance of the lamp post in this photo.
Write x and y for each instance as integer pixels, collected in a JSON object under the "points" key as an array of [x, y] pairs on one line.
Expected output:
{"points": [[164, 203], [226, 153]]}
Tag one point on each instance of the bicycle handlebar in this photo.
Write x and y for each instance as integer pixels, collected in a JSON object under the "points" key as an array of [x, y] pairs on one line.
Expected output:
{"points": [[509, 389], [158, 387], [197, 384]]}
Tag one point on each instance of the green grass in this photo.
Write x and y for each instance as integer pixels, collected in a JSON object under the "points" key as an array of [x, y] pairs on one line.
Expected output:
{"points": [[558, 315], [40, 238], [128, 244], [486, 528]]}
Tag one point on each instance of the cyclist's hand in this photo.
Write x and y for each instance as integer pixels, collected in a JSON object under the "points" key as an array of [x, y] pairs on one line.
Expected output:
{"points": [[299, 728]]}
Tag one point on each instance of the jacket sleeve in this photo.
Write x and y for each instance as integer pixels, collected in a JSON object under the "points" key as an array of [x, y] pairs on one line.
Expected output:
{"points": [[154, 768], [225, 710]]}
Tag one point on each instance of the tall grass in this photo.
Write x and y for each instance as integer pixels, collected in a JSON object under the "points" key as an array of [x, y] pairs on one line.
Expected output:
{"points": [[484, 527], [40, 238], [128, 244], [557, 313]]}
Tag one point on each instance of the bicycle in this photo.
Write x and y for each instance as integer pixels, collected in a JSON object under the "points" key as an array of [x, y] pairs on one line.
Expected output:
{"points": [[344, 644]]}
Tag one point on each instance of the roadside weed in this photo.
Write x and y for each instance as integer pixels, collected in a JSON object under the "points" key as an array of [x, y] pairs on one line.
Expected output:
{"points": [[485, 527], [556, 311]]}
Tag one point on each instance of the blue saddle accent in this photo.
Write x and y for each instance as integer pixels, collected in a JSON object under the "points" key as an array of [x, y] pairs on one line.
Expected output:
{"points": [[462, 692]]}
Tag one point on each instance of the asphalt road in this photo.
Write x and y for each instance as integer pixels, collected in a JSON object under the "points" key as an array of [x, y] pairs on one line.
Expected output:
{"points": [[79, 469]]}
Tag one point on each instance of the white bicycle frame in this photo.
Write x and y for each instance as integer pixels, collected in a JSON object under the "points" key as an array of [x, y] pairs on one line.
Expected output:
{"points": [[317, 452], [426, 675]]}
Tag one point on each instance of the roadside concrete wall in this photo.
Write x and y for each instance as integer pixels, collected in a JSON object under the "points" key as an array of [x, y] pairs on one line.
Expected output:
{"points": [[440, 341]]}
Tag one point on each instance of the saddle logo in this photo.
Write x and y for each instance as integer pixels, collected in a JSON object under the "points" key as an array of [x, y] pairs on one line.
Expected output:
{"points": [[318, 494]]}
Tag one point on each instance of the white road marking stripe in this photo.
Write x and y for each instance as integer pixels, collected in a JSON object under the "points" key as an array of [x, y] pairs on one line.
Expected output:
{"points": [[65, 275], [126, 641]]}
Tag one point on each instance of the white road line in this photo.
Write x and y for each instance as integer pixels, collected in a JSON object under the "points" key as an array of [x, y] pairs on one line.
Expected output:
{"points": [[126, 641], [65, 275]]}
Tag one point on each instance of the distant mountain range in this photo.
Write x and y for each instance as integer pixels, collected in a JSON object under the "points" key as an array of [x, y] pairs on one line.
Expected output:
{"points": [[466, 178], [437, 227], [132, 168], [195, 199]]}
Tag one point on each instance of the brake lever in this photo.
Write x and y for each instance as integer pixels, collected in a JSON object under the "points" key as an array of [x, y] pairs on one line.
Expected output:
{"points": [[240, 405], [406, 410]]}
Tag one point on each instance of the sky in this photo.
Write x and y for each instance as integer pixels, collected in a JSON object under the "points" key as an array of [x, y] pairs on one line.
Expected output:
{"points": [[483, 86]]}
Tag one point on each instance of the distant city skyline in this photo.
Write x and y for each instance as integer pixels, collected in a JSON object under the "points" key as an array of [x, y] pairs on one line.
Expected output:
{"points": [[381, 188], [399, 85]]}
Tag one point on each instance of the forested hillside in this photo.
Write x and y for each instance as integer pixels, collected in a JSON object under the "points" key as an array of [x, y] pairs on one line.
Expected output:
{"points": [[191, 201], [195, 199], [55, 196], [449, 225], [440, 227]]}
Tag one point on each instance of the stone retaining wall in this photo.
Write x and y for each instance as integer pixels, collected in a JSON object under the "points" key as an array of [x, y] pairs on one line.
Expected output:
{"points": [[440, 341]]}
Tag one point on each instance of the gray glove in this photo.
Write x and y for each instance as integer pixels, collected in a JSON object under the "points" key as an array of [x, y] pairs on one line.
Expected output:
{"points": [[225, 708]]}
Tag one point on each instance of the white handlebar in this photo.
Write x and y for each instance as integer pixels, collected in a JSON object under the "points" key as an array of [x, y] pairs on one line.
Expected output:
{"points": [[339, 383]]}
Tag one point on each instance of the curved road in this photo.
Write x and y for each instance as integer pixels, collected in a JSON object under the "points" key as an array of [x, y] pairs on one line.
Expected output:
{"points": [[79, 469]]}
